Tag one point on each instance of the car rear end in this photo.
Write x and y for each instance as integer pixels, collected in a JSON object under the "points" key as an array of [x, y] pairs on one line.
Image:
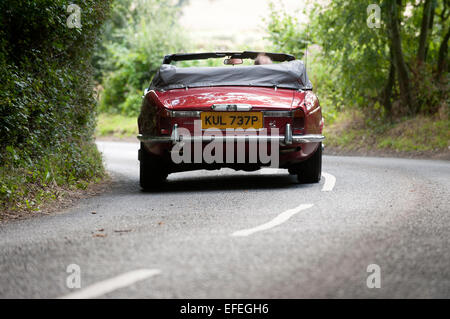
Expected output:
{"points": [[292, 118], [239, 117]]}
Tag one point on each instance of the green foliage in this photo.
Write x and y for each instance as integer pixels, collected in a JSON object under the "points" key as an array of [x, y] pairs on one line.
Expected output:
{"points": [[352, 131], [47, 108], [285, 33], [25, 184], [116, 125], [350, 62], [323, 76], [359, 55], [134, 51]]}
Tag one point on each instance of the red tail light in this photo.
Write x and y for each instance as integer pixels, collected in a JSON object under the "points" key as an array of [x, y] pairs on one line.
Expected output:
{"points": [[165, 122], [298, 121]]}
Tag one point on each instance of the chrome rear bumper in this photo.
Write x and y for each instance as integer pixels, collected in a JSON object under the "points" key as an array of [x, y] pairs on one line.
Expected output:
{"points": [[286, 139]]}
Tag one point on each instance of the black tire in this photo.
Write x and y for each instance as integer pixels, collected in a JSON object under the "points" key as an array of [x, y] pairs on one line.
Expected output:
{"points": [[152, 173], [310, 171]]}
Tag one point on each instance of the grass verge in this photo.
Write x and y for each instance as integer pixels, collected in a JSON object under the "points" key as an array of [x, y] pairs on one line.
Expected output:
{"points": [[420, 136], [114, 125], [350, 133], [39, 184]]}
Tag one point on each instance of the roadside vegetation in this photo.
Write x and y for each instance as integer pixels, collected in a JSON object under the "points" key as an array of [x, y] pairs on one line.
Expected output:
{"points": [[419, 136], [375, 83], [47, 106], [116, 125], [135, 39], [382, 88]]}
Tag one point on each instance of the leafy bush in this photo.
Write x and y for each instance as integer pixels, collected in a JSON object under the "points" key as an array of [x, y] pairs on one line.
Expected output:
{"points": [[286, 33], [352, 62], [47, 108], [133, 52]]}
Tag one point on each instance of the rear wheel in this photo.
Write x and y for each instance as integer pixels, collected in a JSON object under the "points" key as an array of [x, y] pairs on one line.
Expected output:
{"points": [[310, 171], [152, 172]]}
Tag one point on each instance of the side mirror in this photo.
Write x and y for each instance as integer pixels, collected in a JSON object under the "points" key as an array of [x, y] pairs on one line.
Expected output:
{"points": [[232, 61]]}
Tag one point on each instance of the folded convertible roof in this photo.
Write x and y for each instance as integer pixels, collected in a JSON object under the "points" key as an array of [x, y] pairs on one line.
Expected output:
{"points": [[287, 75], [278, 57]]}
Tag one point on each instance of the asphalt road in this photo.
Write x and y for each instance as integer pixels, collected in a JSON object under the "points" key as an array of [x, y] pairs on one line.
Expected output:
{"points": [[227, 234]]}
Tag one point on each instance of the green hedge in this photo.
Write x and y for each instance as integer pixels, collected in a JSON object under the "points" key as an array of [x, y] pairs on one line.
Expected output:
{"points": [[132, 52], [47, 105]]}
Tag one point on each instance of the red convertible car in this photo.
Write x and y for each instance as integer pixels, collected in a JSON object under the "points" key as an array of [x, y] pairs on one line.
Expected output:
{"points": [[239, 116]]}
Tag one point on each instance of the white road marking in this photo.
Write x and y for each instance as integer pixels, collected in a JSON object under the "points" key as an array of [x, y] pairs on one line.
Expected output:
{"points": [[330, 181], [271, 171], [109, 285], [280, 219]]}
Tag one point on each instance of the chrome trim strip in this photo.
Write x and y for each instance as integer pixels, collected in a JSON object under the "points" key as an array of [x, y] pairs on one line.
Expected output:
{"points": [[196, 114], [277, 113], [288, 135], [185, 113], [309, 138], [175, 136], [286, 139], [296, 139], [231, 138], [231, 107], [314, 111]]}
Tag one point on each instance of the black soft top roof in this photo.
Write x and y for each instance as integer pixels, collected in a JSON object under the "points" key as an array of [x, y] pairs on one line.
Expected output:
{"points": [[288, 75], [277, 57]]}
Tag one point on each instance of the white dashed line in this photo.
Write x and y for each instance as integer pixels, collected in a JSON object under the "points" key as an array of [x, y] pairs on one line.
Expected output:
{"points": [[271, 171], [330, 181], [109, 285], [280, 219]]}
